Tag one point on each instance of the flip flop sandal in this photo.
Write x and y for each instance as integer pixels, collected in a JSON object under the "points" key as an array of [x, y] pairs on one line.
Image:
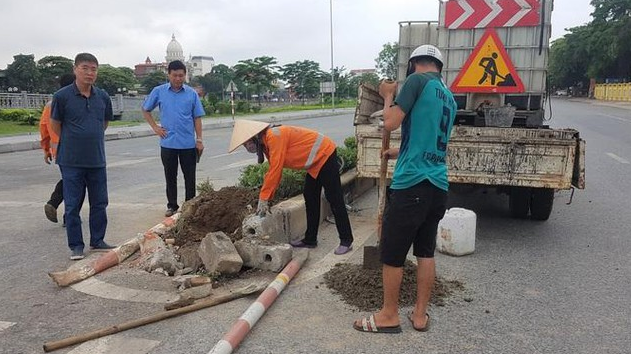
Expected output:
{"points": [[422, 329], [369, 325]]}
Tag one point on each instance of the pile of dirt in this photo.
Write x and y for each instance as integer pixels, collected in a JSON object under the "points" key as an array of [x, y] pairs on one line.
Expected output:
{"points": [[363, 288], [221, 210]]}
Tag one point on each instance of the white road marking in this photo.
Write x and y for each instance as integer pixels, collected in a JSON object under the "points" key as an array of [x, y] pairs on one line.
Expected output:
{"points": [[4, 325], [131, 162], [234, 153], [615, 117], [115, 345], [237, 164], [617, 158], [95, 287]]}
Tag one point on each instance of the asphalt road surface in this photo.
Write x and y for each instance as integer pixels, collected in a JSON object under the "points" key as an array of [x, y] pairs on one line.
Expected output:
{"points": [[561, 286]]}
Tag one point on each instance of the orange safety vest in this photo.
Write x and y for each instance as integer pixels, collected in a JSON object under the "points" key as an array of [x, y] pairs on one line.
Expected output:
{"points": [[296, 148], [48, 139]]}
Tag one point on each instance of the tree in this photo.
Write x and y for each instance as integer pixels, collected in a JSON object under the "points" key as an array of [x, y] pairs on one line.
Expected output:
{"points": [[23, 73], [369, 78], [154, 79], [305, 77], [218, 79], [598, 50], [259, 74], [112, 79], [51, 69], [387, 61]]}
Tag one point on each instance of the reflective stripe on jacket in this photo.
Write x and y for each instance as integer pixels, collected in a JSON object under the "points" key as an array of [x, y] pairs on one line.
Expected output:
{"points": [[296, 148], [49, 141]]}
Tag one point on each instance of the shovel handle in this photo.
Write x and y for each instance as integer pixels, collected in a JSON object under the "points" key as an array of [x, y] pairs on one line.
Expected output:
{"points": [[383, 176]]}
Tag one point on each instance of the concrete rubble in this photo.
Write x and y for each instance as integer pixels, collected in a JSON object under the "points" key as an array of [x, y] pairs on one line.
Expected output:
{"points": [[219, 254], [157, 258], [263, 254]]}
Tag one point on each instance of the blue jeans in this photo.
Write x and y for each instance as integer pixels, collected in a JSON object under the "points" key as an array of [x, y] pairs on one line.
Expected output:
{"points": [[76, 181]]}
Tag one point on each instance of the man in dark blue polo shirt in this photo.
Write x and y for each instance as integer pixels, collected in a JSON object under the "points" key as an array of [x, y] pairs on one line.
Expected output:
{"points": [[80, 115], [180, 124]]}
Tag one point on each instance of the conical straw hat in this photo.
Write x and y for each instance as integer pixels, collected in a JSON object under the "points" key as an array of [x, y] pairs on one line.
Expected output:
{"points": [[244, 130]]}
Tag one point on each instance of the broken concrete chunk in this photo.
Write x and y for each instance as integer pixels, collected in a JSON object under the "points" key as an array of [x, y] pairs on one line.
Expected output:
{"points": [[263, 254], [161, 258], [190, 257], [189, 281], [219, 254], [186, 270], [197, 292]]}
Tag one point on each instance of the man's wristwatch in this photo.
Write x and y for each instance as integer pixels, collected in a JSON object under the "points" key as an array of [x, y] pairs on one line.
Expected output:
{"points": [[199, 141]]}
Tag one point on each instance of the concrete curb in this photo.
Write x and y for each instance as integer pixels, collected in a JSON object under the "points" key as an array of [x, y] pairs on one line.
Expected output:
{"points": [[595, 102], [31, 142], [288, 220]]}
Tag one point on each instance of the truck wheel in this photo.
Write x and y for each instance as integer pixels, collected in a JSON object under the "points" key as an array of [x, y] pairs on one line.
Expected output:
{"points": [[519, 202], [541, 204]]}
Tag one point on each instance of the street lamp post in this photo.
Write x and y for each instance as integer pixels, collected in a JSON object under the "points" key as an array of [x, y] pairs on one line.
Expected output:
{"points": [[332, 71]]}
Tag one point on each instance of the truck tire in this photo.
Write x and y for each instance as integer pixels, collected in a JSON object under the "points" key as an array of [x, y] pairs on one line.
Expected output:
{"points": [[519, 202], [541, 203]]}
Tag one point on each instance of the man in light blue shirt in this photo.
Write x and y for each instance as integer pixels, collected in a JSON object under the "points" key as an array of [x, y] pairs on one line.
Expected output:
{"points": [[180, 130]]}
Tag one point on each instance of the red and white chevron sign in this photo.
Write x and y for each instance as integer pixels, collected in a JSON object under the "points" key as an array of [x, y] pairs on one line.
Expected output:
{"points": [[463, 14]]}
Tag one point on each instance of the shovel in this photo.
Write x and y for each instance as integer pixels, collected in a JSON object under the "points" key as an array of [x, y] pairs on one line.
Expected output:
{"points": [[372, 253]]}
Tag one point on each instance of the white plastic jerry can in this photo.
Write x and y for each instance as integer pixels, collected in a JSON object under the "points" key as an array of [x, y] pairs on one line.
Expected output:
{"points": [[456, 232]]}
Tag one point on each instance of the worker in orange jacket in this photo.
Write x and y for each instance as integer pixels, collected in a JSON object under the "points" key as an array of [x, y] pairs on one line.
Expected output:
{"points": [[300, 149], [49, 141]]}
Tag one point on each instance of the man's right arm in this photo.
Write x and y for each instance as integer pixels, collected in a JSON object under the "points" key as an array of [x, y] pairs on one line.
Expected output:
{"points": [[148, 106], [56, 116]]}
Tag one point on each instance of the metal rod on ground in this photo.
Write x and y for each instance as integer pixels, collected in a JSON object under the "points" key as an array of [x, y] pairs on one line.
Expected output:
{"points": [[247, 290], [246, 322]]}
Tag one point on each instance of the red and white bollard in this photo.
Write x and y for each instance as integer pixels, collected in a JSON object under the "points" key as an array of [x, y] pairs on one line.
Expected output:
{"points": [[246, 322]]}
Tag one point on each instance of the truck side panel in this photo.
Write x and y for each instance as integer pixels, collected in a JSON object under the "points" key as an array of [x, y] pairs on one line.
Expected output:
{"points": [[490, 156]]}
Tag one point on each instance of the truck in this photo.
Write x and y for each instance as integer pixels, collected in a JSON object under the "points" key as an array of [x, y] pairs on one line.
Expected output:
{"points": [[495, 58]]}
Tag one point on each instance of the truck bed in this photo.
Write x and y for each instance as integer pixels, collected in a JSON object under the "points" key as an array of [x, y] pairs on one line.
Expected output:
{"points": [[538, 158], [491, 156]]}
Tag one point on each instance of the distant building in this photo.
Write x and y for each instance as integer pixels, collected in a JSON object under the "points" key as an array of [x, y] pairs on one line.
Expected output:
{"points": [[200, 65], [359, 72], [196, 65], [142, 70]]}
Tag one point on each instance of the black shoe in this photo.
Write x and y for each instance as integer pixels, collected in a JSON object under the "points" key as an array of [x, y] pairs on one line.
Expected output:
{"points": [[50, 212], [170, 212], [77, 254], [102, 246]]}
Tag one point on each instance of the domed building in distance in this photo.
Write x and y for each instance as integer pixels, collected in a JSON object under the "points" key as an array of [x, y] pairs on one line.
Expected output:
{"points": [[197, 65]]}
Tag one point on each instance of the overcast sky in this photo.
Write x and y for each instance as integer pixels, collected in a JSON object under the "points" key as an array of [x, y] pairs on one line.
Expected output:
{"points": [[124, 33]]}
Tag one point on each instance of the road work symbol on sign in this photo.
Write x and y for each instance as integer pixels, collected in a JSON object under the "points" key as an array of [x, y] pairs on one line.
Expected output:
{"points": [[488, 69]]}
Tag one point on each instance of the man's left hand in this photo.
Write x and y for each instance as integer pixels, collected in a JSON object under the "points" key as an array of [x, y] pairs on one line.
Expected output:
{"points": [[48, 158], [387, 88], [200, 149]]}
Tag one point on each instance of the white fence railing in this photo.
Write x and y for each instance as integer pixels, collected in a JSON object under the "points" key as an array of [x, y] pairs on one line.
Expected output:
{"points": [[37, 101]]}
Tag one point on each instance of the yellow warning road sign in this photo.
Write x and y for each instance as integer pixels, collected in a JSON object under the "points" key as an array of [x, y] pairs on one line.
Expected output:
{"points": [[488, 69]]}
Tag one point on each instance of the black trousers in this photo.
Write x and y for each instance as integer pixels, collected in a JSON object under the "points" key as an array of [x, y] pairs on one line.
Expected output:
{"points": [[58, 195], [187, 160], [329, 178]]}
